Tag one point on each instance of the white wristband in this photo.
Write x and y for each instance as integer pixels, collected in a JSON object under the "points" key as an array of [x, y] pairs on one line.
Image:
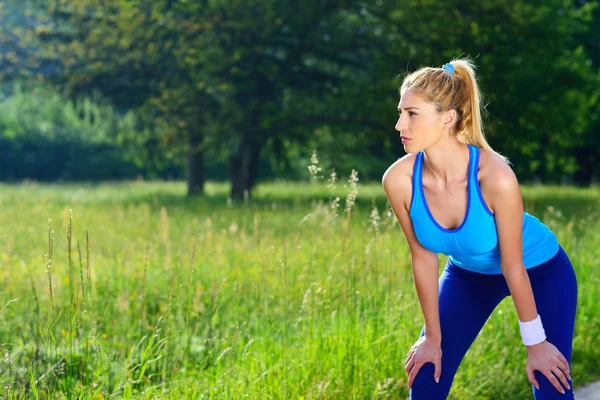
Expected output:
{"points": [[532, 332]]}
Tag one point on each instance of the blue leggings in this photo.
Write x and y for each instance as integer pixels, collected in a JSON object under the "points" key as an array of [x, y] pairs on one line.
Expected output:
{"points": [[468, 298]]}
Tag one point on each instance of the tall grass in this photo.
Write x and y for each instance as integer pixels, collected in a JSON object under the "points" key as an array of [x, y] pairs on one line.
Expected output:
{"points": [[133, 291]]}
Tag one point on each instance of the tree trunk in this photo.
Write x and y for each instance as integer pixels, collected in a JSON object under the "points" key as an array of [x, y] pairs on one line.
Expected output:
{"points": [[243, 169], [195, 181]]}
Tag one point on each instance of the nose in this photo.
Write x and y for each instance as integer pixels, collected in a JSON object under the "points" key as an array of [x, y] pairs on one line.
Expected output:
{"points": [[400, 124]]}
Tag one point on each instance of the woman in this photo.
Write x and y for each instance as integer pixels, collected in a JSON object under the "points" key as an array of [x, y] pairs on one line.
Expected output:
{"points": [[453, 194]]}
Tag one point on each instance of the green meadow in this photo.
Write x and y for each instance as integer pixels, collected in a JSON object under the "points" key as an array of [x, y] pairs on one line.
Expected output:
{"points": [[131, 290]]}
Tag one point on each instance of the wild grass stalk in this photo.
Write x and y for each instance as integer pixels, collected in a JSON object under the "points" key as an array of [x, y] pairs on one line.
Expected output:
{"points": [[81, 280], [70, 259], [48, 257], [143, 294], [71, 314], [87, 259], [318, 309]]}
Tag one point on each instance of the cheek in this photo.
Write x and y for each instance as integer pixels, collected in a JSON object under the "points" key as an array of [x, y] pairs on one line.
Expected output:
{"points": [[416, 125], [424, 125]]}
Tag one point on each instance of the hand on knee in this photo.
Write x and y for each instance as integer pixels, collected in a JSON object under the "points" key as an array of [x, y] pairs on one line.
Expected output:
{"points": [[422, 352]]}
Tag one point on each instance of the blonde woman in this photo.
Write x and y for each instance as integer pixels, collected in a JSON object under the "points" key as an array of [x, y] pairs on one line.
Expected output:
{"points": [[453, 194]]}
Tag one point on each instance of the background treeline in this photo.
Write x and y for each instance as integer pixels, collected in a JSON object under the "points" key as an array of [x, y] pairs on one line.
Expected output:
{"points": [[245, 90], [47, 137]]}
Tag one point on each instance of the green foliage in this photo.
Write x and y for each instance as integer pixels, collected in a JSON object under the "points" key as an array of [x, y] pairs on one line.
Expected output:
{"points": [[158, 296], [539, 85], [46, 137], [209, 77], [41, 112]]}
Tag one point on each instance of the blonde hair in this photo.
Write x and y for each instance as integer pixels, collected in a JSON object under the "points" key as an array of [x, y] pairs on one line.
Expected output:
{"points": [[459, 92]]}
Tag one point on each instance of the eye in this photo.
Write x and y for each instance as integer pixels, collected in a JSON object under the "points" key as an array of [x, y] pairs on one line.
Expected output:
{"points": [[409, 113]]}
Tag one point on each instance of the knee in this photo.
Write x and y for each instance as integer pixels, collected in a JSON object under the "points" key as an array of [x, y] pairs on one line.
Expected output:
{"points": [[424, 386], [547, 390]]}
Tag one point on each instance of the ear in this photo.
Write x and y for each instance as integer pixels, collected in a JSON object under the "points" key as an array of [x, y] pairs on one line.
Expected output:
{"points": [[449, 118]]}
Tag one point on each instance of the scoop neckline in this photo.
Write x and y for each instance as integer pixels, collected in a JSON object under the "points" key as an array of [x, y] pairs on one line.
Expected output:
{"points": [[424, 200]]}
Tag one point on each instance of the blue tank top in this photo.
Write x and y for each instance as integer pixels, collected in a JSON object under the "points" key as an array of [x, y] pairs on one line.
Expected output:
{"points": [[474, 244]]}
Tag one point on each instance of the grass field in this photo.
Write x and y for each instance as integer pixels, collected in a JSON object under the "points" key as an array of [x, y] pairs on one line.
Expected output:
{"points": [[132, 290]]}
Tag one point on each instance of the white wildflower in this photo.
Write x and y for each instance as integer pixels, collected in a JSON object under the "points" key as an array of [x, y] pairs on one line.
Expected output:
{"points": [[351, 198]]}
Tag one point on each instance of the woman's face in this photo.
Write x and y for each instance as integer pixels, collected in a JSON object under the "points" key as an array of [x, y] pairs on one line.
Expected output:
{"points": [[419, 123]]}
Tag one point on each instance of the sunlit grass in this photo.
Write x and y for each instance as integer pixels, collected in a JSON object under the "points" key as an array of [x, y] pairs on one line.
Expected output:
{"points": [[272, 298]]}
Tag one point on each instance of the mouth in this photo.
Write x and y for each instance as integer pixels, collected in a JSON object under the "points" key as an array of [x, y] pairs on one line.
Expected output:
{"points": [[405, 139]]}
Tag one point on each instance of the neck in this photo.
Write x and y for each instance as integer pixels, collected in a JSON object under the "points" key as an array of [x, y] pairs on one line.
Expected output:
{"points": [[447, 161]]}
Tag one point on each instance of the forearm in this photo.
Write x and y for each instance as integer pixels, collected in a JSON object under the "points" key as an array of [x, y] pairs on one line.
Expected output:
{"points": [[426, 284], [521, 292]]}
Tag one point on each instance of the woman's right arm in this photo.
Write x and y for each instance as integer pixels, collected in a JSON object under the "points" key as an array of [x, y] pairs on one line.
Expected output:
{"points": [[425, 264]]}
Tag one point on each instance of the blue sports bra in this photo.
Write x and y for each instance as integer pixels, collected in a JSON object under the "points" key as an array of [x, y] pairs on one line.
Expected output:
{"points": [[474, 244]]}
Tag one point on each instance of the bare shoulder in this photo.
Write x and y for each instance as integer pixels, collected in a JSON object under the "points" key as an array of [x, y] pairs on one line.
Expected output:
{"points": [[495, 175], [399, 173], [397, 179]]}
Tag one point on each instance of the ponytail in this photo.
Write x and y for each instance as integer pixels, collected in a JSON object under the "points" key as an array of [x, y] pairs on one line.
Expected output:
{"points": [[454, 86]]}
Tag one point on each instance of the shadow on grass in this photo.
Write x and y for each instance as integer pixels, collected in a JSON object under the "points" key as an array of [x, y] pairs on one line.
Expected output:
{"points": [[571, 202], [577, 203]]}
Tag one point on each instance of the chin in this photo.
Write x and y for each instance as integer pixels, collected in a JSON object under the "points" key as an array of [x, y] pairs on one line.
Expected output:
{"points": [[410, 147]]}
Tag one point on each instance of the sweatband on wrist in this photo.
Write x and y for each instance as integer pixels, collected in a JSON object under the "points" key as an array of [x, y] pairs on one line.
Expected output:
{"points": [[532, 332]]}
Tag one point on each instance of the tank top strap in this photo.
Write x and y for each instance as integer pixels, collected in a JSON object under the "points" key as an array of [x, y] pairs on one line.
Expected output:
{"points": [[419, 167], [417, 180], [473, 165], [474, 190]]}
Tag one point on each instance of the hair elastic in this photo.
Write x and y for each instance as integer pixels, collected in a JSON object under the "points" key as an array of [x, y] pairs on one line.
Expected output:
{"points": [[449, 67]]}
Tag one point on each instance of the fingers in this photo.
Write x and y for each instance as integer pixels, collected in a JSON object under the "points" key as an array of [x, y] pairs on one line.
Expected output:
{"points": [[408, 363], [561, 376], [565, 368], [531, 378], [413, 373], [409, 367], [552, 379], [438, 370], [409, 356]]}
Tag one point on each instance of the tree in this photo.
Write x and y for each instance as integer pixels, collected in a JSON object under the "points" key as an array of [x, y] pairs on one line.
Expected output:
{"points": [[538, 83], [277, 55], [587, 152], [192, 64], [239, 79], [133, 53]]}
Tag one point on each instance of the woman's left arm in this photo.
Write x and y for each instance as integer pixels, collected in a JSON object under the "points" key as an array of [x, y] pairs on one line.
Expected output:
{"points": [[507, 204], [508, 211]]}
